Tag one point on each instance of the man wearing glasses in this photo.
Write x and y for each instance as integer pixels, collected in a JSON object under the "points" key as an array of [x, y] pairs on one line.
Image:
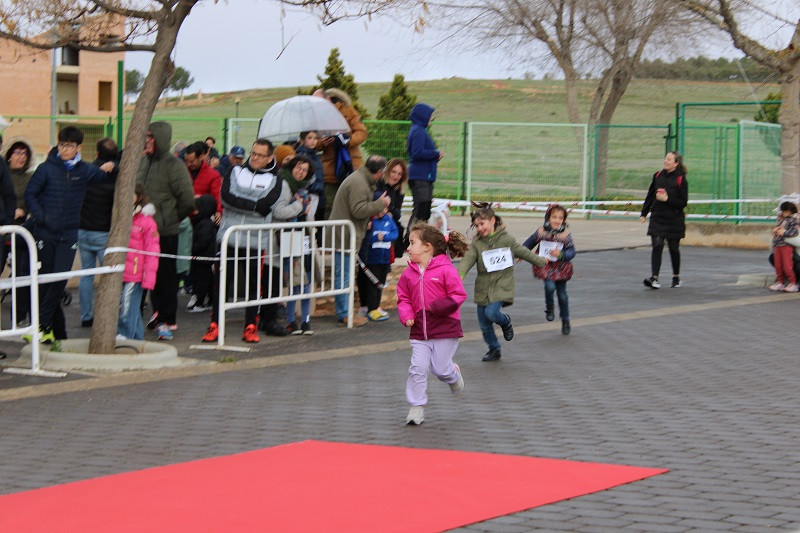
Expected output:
{"points": [[54, 197], [253, 194]]}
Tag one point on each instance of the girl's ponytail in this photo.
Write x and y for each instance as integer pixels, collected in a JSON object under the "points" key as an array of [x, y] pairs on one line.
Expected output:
{"points": [[453, 243]]}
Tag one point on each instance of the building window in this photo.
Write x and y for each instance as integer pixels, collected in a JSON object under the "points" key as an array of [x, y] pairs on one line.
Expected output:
{"points": [[69, 56], [104, 96]]}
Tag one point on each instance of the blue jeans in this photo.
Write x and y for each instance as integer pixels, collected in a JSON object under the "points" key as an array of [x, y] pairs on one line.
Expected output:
{"points": [[92, 246], [130, 324], [559, 287], [341, 268], [488, 316]]}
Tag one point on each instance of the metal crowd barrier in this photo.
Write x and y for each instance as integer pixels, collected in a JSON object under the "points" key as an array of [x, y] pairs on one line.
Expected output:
{"points": [[287, 244]]}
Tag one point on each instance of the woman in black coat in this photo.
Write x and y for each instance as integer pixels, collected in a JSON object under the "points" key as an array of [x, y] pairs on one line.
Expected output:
{"points": [[666, 200]]}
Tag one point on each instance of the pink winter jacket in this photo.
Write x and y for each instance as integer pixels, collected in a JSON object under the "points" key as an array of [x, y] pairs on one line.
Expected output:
{"points": [[139, 267], [432, 299]]}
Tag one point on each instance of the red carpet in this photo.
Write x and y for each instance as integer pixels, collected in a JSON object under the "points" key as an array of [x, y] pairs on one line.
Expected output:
{"points": [[312, 486]]}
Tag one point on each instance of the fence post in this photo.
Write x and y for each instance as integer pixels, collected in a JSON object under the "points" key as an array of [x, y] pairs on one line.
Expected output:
{"points": [[462, 165]]}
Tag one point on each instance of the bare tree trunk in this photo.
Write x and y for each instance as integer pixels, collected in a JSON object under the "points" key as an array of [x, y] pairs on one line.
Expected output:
{"points": [[790, 131], [107, 296], [571, 81], [619, 84]]}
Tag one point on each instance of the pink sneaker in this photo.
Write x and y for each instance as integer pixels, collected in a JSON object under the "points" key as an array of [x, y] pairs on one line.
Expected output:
{"points": [[777, 287], [792, 287]]}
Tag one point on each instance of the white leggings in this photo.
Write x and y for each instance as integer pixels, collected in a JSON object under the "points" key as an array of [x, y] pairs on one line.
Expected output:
{"points": [[432, 355]]}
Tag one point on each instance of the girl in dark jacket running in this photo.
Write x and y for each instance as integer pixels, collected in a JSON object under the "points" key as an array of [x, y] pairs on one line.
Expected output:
{"points": [[666, 200]]}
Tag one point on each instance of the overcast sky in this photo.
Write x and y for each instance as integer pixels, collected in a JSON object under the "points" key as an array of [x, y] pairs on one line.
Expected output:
{"points": [[237, 45], [226, 47]]}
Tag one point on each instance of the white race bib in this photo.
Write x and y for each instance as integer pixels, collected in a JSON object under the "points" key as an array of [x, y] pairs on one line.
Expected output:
{"points": [[497, 259], [545, 247]]}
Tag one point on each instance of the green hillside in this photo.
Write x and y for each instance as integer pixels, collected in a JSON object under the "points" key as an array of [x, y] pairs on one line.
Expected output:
{"points": [[458, 99]]}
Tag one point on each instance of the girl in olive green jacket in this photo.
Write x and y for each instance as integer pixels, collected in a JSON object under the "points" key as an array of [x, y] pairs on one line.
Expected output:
{"points": [[494, 251]]}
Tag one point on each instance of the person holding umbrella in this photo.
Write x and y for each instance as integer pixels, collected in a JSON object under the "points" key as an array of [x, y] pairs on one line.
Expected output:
{"points": [[348, 146]]}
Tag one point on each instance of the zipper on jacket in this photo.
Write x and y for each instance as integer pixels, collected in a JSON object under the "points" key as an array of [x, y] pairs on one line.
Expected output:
{"points": [[422, 296]]}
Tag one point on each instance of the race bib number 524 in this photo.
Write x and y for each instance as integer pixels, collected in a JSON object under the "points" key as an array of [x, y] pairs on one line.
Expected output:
{"points": [[497, 259]]}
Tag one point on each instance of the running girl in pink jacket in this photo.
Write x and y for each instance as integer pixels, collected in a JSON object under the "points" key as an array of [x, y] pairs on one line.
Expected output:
{"points": [[429, 295], [140, 269]]}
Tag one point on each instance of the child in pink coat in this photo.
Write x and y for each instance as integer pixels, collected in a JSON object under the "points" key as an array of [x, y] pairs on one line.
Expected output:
{"points": [[429, 295], [140, 268]]}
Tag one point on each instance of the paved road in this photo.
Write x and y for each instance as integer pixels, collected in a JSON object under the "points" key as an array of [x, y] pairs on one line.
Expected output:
{"points": [[701, 380]]}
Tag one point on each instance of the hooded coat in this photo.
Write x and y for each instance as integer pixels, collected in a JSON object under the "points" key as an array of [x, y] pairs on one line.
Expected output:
{"points": [[139, 267], [167, 182], [497, 286], [54, 197], [432, 298], [423, 157]]}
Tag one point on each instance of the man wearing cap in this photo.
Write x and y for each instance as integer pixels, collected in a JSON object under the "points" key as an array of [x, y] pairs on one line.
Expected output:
{"points": [[234, 158]]}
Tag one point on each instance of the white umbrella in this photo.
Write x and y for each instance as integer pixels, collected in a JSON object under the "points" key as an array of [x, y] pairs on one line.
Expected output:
{"points": [[4, 123], [286, 119]]}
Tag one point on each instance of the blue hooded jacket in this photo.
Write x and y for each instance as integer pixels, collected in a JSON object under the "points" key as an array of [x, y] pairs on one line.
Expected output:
{"points": [[54, 197], [423, 156]]}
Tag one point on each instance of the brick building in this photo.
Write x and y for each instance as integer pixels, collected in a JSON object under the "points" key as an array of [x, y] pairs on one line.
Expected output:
{"points": [[85, 87]]}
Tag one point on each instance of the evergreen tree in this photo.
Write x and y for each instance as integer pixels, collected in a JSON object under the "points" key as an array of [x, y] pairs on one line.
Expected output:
{"points": [[397, 103], [769, 112], [390, 139], [337, 78]]}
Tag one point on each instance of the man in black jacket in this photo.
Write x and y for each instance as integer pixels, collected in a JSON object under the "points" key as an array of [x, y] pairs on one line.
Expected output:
{"points": [[95, 226]]}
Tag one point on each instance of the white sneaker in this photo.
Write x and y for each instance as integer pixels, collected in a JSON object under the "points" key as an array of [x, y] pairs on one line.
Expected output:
{"points": [[777, 287], [120, 337], [197, 308], [458, 386], [792, 287], [192, 301], [383, 313], [416, 415]]}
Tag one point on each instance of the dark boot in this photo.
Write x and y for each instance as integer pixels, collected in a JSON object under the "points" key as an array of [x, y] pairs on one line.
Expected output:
{"points": [[565, 328], [492, 355], [549, 312]]}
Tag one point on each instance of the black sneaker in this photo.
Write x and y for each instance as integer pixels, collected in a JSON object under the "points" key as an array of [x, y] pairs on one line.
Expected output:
{"points": [[549, 313], [492, 355], [652, 282], [305, 328], [676, 282], [153, 322], [508, 331], [87, 323], [565, 328], [292, 328]]}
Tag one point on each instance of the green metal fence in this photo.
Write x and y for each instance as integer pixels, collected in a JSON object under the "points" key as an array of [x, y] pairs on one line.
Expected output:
{"points": [[727, 159], [190, 129], [633, 153], [522, 161]]}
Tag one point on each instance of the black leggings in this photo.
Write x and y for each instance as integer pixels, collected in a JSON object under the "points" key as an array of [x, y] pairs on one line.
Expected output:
{"points": [[674, 254]]}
